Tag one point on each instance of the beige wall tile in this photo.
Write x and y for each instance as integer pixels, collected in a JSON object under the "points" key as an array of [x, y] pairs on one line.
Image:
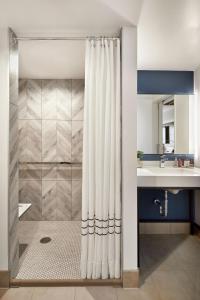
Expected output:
{"points": [[46, 110], [164, 228], [180, 228], [76, 199], [156, 228], [77, 141]]}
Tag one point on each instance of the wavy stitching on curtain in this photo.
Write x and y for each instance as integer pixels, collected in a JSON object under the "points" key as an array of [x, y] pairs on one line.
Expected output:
{"points": [[101, 202]]}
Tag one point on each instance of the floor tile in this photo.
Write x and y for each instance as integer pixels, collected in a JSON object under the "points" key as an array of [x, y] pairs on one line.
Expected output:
{"points": [[95, 293], [175, 285], [17, 294], [171, 262], [58, 259], [52, 293]]}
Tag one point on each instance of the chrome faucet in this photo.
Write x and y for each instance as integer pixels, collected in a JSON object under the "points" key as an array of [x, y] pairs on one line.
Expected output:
{"points": [[162, 161]]}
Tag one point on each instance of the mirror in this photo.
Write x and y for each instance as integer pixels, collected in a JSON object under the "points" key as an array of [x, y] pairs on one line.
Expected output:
{"points": [[165, 124]]}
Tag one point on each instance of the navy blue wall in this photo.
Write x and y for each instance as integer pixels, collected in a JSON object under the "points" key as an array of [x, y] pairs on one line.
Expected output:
{"points": [[165, 82], [178, 205], [170, 157]]}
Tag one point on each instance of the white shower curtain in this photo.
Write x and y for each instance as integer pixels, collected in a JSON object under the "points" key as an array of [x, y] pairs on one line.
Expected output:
{"points": [[101, 204]]}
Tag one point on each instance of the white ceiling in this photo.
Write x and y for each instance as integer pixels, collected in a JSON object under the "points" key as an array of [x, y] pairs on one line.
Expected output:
{"points": [[169, 35], [61, 16], [53, 59], [168, 32]]}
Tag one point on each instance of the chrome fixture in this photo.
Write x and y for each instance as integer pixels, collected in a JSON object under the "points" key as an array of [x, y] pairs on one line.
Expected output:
{"points": [[65, 38], [158, 203], [162, 161], [162, 206], [165, 209]]}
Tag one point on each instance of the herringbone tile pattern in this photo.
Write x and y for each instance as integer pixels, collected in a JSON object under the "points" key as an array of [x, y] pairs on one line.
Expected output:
{"points": [[30, 99], [77, 141], [50, 116], [77, 99]]}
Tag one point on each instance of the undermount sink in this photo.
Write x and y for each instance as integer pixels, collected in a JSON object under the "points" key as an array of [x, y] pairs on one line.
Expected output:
{"points": [[168, 177]]}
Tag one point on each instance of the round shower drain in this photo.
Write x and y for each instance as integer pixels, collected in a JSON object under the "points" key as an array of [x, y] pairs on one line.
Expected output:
{"points": [[45, 240]]}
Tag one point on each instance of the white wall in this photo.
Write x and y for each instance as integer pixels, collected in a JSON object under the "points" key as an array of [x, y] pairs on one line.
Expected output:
{"points": [[197, 139], [67, 59], [196, 116], [129, 147], [192, 123], [147, 124], [4, 149], [182, 124]]}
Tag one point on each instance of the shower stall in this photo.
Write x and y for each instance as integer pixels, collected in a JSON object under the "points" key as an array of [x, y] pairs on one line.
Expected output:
{"points": [[50, 121], [58, 222]]}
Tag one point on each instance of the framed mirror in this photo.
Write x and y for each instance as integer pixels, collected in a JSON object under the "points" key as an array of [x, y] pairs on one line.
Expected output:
{"points": [[165, 124]]}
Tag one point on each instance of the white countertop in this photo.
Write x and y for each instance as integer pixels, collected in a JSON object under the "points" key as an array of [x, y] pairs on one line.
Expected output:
{"points": [[168, 177], [22, 208]]}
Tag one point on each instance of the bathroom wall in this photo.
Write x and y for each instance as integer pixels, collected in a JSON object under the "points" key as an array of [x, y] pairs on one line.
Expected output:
{"points": [[13, 155], [129, 161], [147, 124], [197, 146], [50, 116], [179, 214], [4, 157], [178, 205]]}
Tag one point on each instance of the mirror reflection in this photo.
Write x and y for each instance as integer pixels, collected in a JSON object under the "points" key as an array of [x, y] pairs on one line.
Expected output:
{"points": [[165, 124]]}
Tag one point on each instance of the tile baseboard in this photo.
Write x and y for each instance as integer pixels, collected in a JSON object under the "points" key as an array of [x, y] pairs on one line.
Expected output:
{"points": [[164, 228], [4, 279], [131, 279]]}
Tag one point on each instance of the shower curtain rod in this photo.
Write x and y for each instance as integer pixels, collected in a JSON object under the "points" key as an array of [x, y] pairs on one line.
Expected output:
{"points": [[63, 38]]}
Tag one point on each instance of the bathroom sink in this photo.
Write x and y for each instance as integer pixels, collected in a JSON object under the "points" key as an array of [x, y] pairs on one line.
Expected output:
{"points": [[168, 177]]}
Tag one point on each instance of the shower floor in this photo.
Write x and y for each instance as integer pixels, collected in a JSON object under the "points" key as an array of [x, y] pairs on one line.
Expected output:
{"points": [[57, 259]]}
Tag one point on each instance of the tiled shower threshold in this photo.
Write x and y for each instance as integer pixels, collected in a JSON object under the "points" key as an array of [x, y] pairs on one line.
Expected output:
{"points": [[64, 282]]}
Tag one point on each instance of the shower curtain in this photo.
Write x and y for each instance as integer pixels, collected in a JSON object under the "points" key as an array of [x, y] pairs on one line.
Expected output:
{"points": [[101, 203]]}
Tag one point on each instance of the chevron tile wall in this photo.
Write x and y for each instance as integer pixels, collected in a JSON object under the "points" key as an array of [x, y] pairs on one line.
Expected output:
{"points": [[50, 114]]}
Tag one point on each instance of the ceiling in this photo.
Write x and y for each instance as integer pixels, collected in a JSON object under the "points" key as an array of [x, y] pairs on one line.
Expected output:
{"points": [[168, 32], [61, 16], [169, 35], [55, 59]]}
